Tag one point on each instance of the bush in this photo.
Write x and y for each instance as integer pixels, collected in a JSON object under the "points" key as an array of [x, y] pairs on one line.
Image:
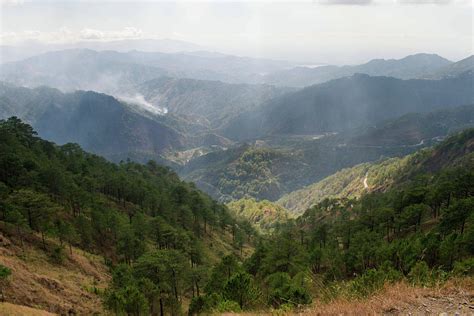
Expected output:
{"points": [[420, 274], [58, 255], [283, 290], [464, 267], [204, 304], [369, 282], [227, 306], [4, 272]]}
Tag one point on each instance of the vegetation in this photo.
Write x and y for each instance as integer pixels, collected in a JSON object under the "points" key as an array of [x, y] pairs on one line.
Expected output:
{"points": [[141, 218], [161, 236], [264, 215]]}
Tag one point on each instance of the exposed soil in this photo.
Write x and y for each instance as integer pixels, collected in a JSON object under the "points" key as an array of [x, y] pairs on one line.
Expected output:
{"points": [[69, 288]]}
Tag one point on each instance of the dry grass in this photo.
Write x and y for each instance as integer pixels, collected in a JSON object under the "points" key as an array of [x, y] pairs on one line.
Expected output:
{"points": [[58, 288], [455, 296], [9, 309]]}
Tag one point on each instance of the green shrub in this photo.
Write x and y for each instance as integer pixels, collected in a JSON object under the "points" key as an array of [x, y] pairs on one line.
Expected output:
{"points": [[227, 306], [204, 304], [5, 272], [366, 284], [58, 255], [464, 267], [420, 274], [284, 290]]}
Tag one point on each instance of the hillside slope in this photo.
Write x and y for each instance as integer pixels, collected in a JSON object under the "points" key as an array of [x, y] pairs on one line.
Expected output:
{"points": [[381, 176], [347, 103], [103, 124], [55, 200], [212, 103]]}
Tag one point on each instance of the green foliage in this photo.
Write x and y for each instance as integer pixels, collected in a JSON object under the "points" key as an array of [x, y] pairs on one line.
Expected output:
{"points": [[282, 290], [240, 288], [143, 216], [5, 272], [227, 307], [464, 267], [58, 255], [265, 215]]}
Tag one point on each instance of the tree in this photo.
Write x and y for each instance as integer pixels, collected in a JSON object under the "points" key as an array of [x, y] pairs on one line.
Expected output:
{"points": [[456, 215], [240, 288], [36, 207]]}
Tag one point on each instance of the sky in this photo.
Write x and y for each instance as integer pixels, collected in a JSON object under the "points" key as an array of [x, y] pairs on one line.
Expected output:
{"points": [[317, 31]]}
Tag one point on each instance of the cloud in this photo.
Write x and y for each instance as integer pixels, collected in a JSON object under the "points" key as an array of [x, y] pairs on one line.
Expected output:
{"points": [[65, 35], [425, 1], [345, 2], [11, 2], [126, 33]]}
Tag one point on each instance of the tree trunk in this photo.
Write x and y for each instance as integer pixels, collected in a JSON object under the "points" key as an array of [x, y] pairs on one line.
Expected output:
{"points": [[161, 307], [44, 241]]}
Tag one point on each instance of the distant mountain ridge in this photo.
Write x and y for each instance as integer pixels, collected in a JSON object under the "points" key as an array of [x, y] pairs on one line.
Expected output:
{"points": [[212, 103], [351, 102], [112, 71], [100, 123], [409, 67]]}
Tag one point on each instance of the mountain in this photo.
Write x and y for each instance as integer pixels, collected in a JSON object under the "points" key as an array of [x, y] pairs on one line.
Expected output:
{"points": [[79, 70], [410, 67], [381, 176], [455, 69], [211, 103], [114, 72], [347, 103], [276, 165], [415, 128], [100, 123], [31, 48], [273, 167]]}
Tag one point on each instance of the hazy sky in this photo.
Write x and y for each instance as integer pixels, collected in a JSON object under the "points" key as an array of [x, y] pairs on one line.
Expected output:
{"points": [[318, 31]]}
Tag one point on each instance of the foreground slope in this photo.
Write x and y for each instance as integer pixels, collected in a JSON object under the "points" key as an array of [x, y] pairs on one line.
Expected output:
{"points": [[419, 231], [55, 200]]}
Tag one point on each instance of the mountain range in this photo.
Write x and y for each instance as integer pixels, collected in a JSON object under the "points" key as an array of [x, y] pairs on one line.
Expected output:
{"points": [[418, 66], [350, 102]]}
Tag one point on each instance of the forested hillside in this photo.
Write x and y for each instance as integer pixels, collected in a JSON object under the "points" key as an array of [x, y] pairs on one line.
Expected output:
{"points": [[103, 124], [139, 218], [160, 234], [420, 231], [264, 215], [211, 103], [350, 102], [383, 175]]}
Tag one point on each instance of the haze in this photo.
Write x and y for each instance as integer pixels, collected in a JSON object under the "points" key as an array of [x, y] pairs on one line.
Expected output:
{"points": [[310, 32]]}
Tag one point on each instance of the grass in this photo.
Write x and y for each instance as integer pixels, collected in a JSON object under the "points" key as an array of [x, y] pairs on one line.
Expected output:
{"points": [[9, 309], [39, 283]]}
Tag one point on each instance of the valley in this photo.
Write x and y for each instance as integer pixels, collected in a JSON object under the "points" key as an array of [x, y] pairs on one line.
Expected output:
{"points": [[145, 176]]}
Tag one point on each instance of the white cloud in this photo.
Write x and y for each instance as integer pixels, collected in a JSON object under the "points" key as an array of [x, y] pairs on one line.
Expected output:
{"points": [[65, 35], [345, 2], [11, 2], [126, 33]]}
